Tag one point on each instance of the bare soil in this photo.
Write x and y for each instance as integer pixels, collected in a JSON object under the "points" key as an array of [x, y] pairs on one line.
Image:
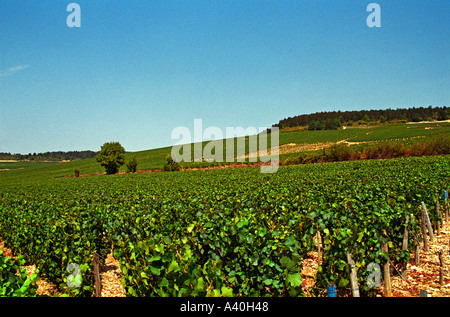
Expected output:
{"points": [[424, 276]]}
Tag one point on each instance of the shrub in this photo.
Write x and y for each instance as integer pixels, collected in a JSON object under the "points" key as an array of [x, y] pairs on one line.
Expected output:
{"points": [[338, 152], [384, 150], [171, 165], [439, 145], [292, 161], [132, 165]]}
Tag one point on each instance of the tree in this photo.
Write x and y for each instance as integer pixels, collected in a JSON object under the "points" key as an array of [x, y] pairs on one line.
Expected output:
{"points": [[337, 123], [132, 165], [332, 124], [416, 117], [316, 125], [111, 156], [442, 114], [329, 124]]}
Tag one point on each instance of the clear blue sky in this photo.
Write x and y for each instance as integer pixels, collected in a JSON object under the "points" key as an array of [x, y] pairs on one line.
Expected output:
{"points": [[135, 70]]}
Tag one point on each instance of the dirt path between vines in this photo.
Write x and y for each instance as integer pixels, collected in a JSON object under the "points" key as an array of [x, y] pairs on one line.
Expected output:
{"points": [[424, 276]]}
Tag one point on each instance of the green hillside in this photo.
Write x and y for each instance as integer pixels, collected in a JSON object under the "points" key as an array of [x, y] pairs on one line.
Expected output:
{"points": [[291, 144]]}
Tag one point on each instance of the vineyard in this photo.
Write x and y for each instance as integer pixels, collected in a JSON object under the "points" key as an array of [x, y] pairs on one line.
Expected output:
{"points": [[225, 232]]}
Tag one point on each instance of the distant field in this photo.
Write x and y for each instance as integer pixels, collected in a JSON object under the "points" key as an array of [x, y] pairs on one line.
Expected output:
{"points": [[291, 143], [9, 165], [370, 133]]}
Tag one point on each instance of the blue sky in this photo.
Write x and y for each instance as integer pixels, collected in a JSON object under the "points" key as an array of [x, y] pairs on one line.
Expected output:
{"points": [[135, 70]]}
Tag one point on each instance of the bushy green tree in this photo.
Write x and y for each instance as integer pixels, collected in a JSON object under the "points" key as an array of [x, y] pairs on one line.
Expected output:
{"points": [[337, 124], [315, 125], [111, 156]]}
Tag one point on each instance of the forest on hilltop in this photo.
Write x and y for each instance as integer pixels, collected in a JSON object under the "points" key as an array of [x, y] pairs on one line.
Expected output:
{"points": [[49, 156], [335, 119]]}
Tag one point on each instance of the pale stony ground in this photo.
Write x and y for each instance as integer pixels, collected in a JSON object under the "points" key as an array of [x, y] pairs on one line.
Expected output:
{"points": [[424, 276], [109, 274]]}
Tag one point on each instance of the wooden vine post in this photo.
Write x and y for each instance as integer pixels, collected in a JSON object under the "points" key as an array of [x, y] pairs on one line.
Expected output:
{"points": [[353, 276], [424, 232], [446, 205], [439, 213], [441, 267], [405, 244], [98, 286], [319, 248], [427, 221], [387, 273], [417, 255]]}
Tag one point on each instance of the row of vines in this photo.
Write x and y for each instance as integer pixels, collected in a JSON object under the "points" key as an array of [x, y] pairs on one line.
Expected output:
{"points": [[225, 232]]}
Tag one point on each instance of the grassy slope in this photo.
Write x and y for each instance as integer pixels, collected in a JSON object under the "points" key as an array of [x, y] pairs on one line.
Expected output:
{"points": [[155, 158], [364, 134]]}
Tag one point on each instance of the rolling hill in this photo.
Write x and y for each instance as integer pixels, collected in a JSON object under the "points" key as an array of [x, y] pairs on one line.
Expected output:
{"points": [[292, 144]]}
